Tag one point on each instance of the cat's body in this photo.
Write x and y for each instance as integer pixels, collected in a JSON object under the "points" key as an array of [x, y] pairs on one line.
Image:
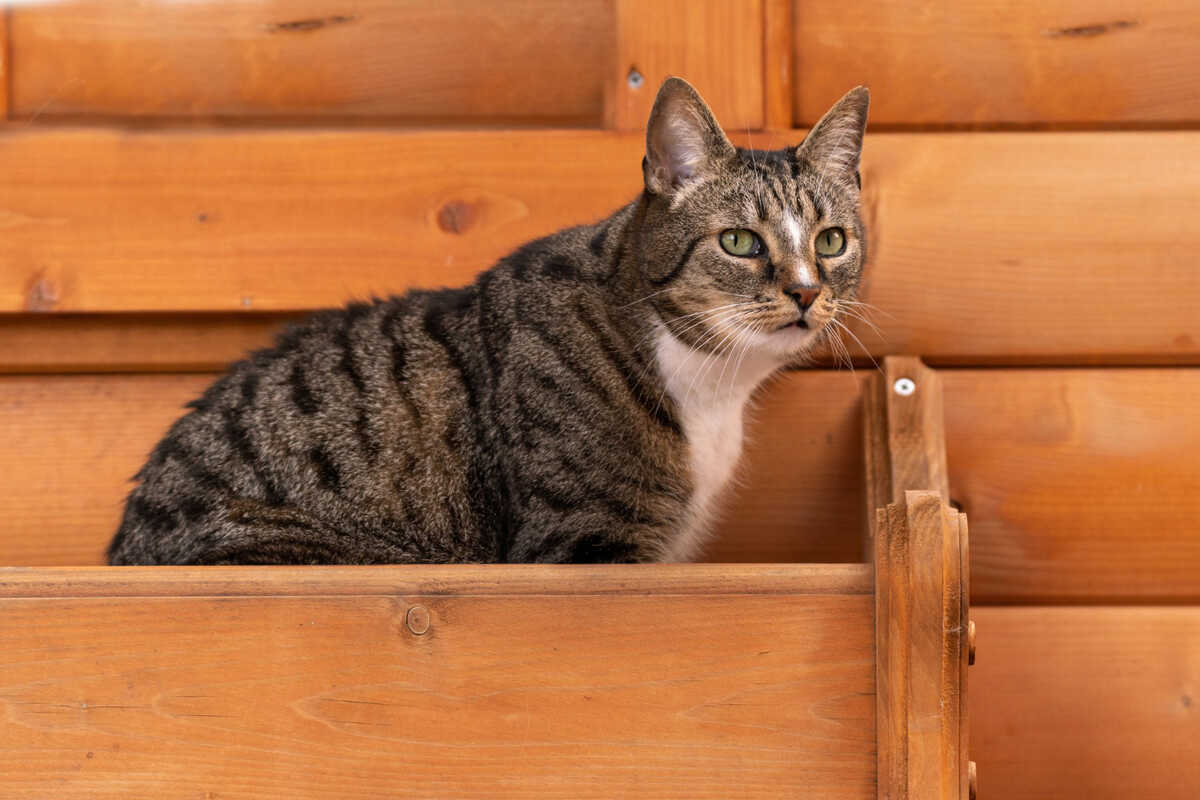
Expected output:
{"points": [[581, 401]]}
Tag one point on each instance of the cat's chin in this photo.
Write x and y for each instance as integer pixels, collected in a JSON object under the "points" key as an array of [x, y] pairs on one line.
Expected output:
{"points": [[787, 342]]}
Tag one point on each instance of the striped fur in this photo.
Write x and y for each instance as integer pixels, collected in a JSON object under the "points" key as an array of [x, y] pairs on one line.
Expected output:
{"points": [[530, 416]]}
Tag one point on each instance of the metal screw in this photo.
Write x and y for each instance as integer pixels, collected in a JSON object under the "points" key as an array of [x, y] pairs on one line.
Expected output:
{"points": [[904, 387], [634, 78], [417, 619]]}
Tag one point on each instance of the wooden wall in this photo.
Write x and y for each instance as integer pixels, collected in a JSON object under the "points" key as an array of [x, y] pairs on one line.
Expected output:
{"points": [[178, 179]]}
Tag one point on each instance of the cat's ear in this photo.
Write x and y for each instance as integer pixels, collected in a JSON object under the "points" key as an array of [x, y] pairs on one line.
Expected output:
{"points": [[683, 139], [834, 144]]}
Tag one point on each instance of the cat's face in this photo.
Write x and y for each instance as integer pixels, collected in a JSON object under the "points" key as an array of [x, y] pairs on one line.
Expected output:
{"points": [[751, 250]]}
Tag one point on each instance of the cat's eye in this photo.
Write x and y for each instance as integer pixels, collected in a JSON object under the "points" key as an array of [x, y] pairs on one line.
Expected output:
{"points": [[831, 242], [741, 242]]}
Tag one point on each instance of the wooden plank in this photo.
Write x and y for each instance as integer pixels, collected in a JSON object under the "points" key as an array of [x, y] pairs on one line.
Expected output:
{"points": [[74, 442], [131, 342], [777, 64], [101, 221], [904, 441], [994, 62], [1081, 485], [475, 580], [921, 648], [717, 47], [467, 60], [1087, 702], [501, 696], [5, 63], [797, 494], [982, 245]]}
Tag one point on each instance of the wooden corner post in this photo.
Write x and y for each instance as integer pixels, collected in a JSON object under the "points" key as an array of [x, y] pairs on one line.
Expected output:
{"points": [[922, 630]]}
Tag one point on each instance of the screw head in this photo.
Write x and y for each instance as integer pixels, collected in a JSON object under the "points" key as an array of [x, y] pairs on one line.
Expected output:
{"points": [[634, 78], [417, 620], [904, 387]]}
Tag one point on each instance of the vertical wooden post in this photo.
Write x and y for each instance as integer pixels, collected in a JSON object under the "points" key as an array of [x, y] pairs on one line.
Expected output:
{"points": [[904, 438], [715, 45], [5, 62], [921, 650], [923, 640], [777, 64]]}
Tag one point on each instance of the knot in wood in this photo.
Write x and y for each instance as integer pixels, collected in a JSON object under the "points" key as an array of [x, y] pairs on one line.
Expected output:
{"points": [[456, 217], [417, 620]]}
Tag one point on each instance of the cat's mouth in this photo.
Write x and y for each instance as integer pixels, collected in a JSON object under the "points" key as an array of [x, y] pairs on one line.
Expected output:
{"points": [[800, 323]]}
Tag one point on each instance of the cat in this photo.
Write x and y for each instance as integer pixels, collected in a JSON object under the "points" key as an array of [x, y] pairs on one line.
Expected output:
{"points": [[582, 401]]}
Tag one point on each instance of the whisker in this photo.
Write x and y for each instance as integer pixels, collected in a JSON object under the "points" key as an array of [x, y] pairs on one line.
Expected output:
{"points": [[865, 321], [868, 307], [644, 299], [860, 344]]}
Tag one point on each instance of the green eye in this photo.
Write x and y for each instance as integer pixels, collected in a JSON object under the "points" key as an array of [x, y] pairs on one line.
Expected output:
{"points": [[741, 242], [831, 242]]}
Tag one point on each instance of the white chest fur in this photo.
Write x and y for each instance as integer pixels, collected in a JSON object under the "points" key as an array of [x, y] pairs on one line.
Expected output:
{"points": [[710, 393]]}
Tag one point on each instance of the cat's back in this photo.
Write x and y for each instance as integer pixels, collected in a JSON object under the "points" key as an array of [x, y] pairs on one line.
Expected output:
{"points": [[355, 415]]}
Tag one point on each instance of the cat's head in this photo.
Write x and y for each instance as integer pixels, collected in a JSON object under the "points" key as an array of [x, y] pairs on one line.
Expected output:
{"points": [[749, 249]]}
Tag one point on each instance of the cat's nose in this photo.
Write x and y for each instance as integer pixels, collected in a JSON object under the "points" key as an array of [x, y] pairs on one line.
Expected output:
{"points": [[803, 294]]}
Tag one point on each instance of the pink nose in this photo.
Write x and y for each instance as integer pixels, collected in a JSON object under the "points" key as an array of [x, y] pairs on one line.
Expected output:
{"points": [[804, 295]]}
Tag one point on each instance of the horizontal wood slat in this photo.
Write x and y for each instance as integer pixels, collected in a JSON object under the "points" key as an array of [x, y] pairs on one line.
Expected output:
{"points": [[74, 442], [507, 695], [469, 60], [184, 342], [997, 62], [979, 243], [1081, 485], [473, 580], [1101, 703]]}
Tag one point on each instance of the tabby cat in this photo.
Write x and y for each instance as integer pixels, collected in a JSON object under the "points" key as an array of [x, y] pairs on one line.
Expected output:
{"points": [[580, 402]]}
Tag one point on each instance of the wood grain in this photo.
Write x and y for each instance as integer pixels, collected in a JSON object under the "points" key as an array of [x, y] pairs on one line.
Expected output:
{"points": [[5, 64], [72, 444], [1099, 703], [994, 62], [187, 342], [75, 441], [1082, 485], [920, 649], [467, 60], [473, 580], [101, 221], [777, 64], [512, 696], [717, 47], [904, 438], [798, 491]]}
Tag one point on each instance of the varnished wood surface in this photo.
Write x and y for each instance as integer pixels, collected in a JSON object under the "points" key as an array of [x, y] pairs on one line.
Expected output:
{"points": [[436, 579], [459, 61], [995, 62], [1081, 483], [904, 438], [279, 221], [74, 442], [717, 47], [81, 343], [921, 649], [1097, 703], [507, 695]]}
